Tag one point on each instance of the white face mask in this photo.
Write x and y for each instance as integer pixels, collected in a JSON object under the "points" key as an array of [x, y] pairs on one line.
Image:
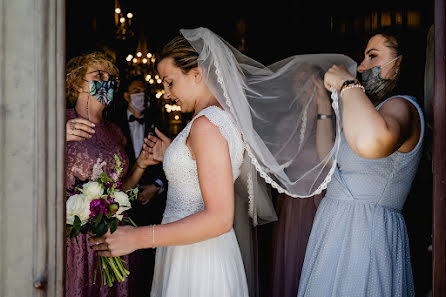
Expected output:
{"points": [[137, 102]]}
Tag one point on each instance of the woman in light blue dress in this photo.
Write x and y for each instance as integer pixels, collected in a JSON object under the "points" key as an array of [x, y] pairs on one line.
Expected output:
{"points": [[359, 244]]}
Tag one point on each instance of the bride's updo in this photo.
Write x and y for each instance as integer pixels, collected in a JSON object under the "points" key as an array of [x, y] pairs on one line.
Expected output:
{"points": [[183, 54]]}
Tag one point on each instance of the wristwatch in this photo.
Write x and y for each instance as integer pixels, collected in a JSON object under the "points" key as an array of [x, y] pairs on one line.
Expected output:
{"points": [[347, 83]]}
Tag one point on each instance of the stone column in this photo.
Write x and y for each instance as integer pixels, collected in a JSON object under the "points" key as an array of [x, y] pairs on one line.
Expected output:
{"points": [[32, 124]]}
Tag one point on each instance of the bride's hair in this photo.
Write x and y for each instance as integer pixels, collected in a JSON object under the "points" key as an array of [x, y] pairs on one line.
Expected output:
{"points": [[181, 51]]}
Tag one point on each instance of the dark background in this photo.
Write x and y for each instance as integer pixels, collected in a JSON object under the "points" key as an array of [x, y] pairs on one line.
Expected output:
{"points": [[274, 30]]}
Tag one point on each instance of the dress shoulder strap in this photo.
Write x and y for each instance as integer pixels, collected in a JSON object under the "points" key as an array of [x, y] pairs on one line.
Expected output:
{"points": [[216, 116]]}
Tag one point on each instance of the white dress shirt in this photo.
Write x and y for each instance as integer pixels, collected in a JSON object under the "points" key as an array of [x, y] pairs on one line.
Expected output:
{"points": [[137, 135]]}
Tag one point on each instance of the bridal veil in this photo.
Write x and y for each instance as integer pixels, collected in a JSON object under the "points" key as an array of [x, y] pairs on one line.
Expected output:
{"points": [[275, 108]]}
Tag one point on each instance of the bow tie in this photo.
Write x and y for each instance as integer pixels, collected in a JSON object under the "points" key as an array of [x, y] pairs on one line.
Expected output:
{"points": [[132, 118]]}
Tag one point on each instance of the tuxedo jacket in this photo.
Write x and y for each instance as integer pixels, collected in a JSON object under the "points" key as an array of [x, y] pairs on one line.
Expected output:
{"points": [[150, 213]]}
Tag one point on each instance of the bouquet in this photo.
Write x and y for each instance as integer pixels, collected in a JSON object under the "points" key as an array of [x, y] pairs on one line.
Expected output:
{"points": [[95, 207]]}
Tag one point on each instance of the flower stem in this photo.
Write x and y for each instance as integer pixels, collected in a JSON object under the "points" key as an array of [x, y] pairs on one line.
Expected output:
{"points": [[121, 264], [107, 275], [132, 222], [115, 269]]}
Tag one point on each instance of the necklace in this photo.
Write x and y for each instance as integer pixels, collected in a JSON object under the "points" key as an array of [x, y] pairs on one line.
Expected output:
{"points": [[88, 101], [98, 141]]}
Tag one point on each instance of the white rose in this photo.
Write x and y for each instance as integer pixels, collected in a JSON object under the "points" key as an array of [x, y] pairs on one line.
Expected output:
{"points": [[78, 205], [92, 190], [123, 200]]}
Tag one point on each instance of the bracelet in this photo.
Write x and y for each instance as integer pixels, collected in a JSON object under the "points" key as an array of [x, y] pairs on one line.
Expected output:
{"points": [[140, 166], [321, 116], [347, 83], [153, 236], [355, 85]]}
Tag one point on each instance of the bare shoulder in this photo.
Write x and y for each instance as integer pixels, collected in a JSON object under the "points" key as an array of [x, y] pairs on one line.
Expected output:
{"points": [[404, 114], [399, 109], [397, 104], [205, 135], [203, 125]]}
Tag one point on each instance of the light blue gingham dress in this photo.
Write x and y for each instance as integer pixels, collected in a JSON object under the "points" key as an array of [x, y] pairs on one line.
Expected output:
{"points": [[359, 244]]}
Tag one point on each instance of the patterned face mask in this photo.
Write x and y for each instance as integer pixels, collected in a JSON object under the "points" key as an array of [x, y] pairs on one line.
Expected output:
{"points": [[375, 86], [102, 91]]}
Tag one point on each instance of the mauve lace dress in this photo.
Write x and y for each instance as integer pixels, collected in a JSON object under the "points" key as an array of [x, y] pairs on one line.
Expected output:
{"points": [[81, 158], [289, 242], [290, 236]]}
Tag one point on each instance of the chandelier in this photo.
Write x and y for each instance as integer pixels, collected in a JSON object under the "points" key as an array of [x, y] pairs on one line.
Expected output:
{"points": [[123, 23], [142, 63]]}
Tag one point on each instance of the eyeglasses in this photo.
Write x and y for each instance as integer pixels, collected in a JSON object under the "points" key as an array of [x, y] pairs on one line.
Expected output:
{"points": [[102, 75]]}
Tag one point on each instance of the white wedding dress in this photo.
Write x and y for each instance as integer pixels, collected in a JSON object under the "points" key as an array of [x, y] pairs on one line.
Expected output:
{"points": [[208, 268]]}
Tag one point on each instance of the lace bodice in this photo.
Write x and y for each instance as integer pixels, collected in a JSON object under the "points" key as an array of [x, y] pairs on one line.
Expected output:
{"points": [[85, 159], [184, 195]]}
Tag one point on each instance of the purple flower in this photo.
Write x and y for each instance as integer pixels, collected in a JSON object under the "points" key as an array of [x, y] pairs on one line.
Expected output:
{"points": [[114, 175], [108, 184], [98, 206]]}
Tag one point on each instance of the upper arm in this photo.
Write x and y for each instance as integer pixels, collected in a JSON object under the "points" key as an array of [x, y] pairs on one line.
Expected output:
{"points": [[212, 155], [397, 115]]}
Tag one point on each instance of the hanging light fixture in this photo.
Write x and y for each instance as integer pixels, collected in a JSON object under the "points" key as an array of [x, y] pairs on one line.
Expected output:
{"points": [[123, 25]]}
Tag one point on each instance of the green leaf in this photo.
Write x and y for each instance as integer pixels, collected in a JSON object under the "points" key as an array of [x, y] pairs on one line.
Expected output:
{"points": [[113, 225], [101, 229], [84, 229], [105, 178], [132, 193], [97, 220], [69, 229], [77, 223]]}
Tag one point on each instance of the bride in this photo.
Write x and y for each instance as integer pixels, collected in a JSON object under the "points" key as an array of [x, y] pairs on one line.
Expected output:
{"points": [[232, 136]]}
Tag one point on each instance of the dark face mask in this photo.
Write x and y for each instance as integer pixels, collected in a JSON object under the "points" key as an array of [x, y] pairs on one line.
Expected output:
{"points": [[375, 86], [102, 91]]}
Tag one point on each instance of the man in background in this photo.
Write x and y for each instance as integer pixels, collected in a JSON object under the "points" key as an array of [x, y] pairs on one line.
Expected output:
{"points": [[137, 114]]}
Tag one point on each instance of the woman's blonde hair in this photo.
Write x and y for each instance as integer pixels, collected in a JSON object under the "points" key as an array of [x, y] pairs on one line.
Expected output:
{"points": [[76, 69], [184, 55]]}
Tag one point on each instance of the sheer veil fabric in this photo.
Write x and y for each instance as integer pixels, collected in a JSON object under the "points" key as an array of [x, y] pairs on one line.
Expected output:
{"points": [[275, 108]]}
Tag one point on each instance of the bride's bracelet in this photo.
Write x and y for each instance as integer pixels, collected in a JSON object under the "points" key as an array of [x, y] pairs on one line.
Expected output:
{"points": [[355, 85], [139, 166]]}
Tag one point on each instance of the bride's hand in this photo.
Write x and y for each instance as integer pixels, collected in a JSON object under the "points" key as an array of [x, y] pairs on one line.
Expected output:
{"points": [[145, 159], [122, 242], [156, 145]]}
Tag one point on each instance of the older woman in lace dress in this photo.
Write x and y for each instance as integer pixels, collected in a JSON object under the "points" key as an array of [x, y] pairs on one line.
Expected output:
{"points": [[91, 145]]}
